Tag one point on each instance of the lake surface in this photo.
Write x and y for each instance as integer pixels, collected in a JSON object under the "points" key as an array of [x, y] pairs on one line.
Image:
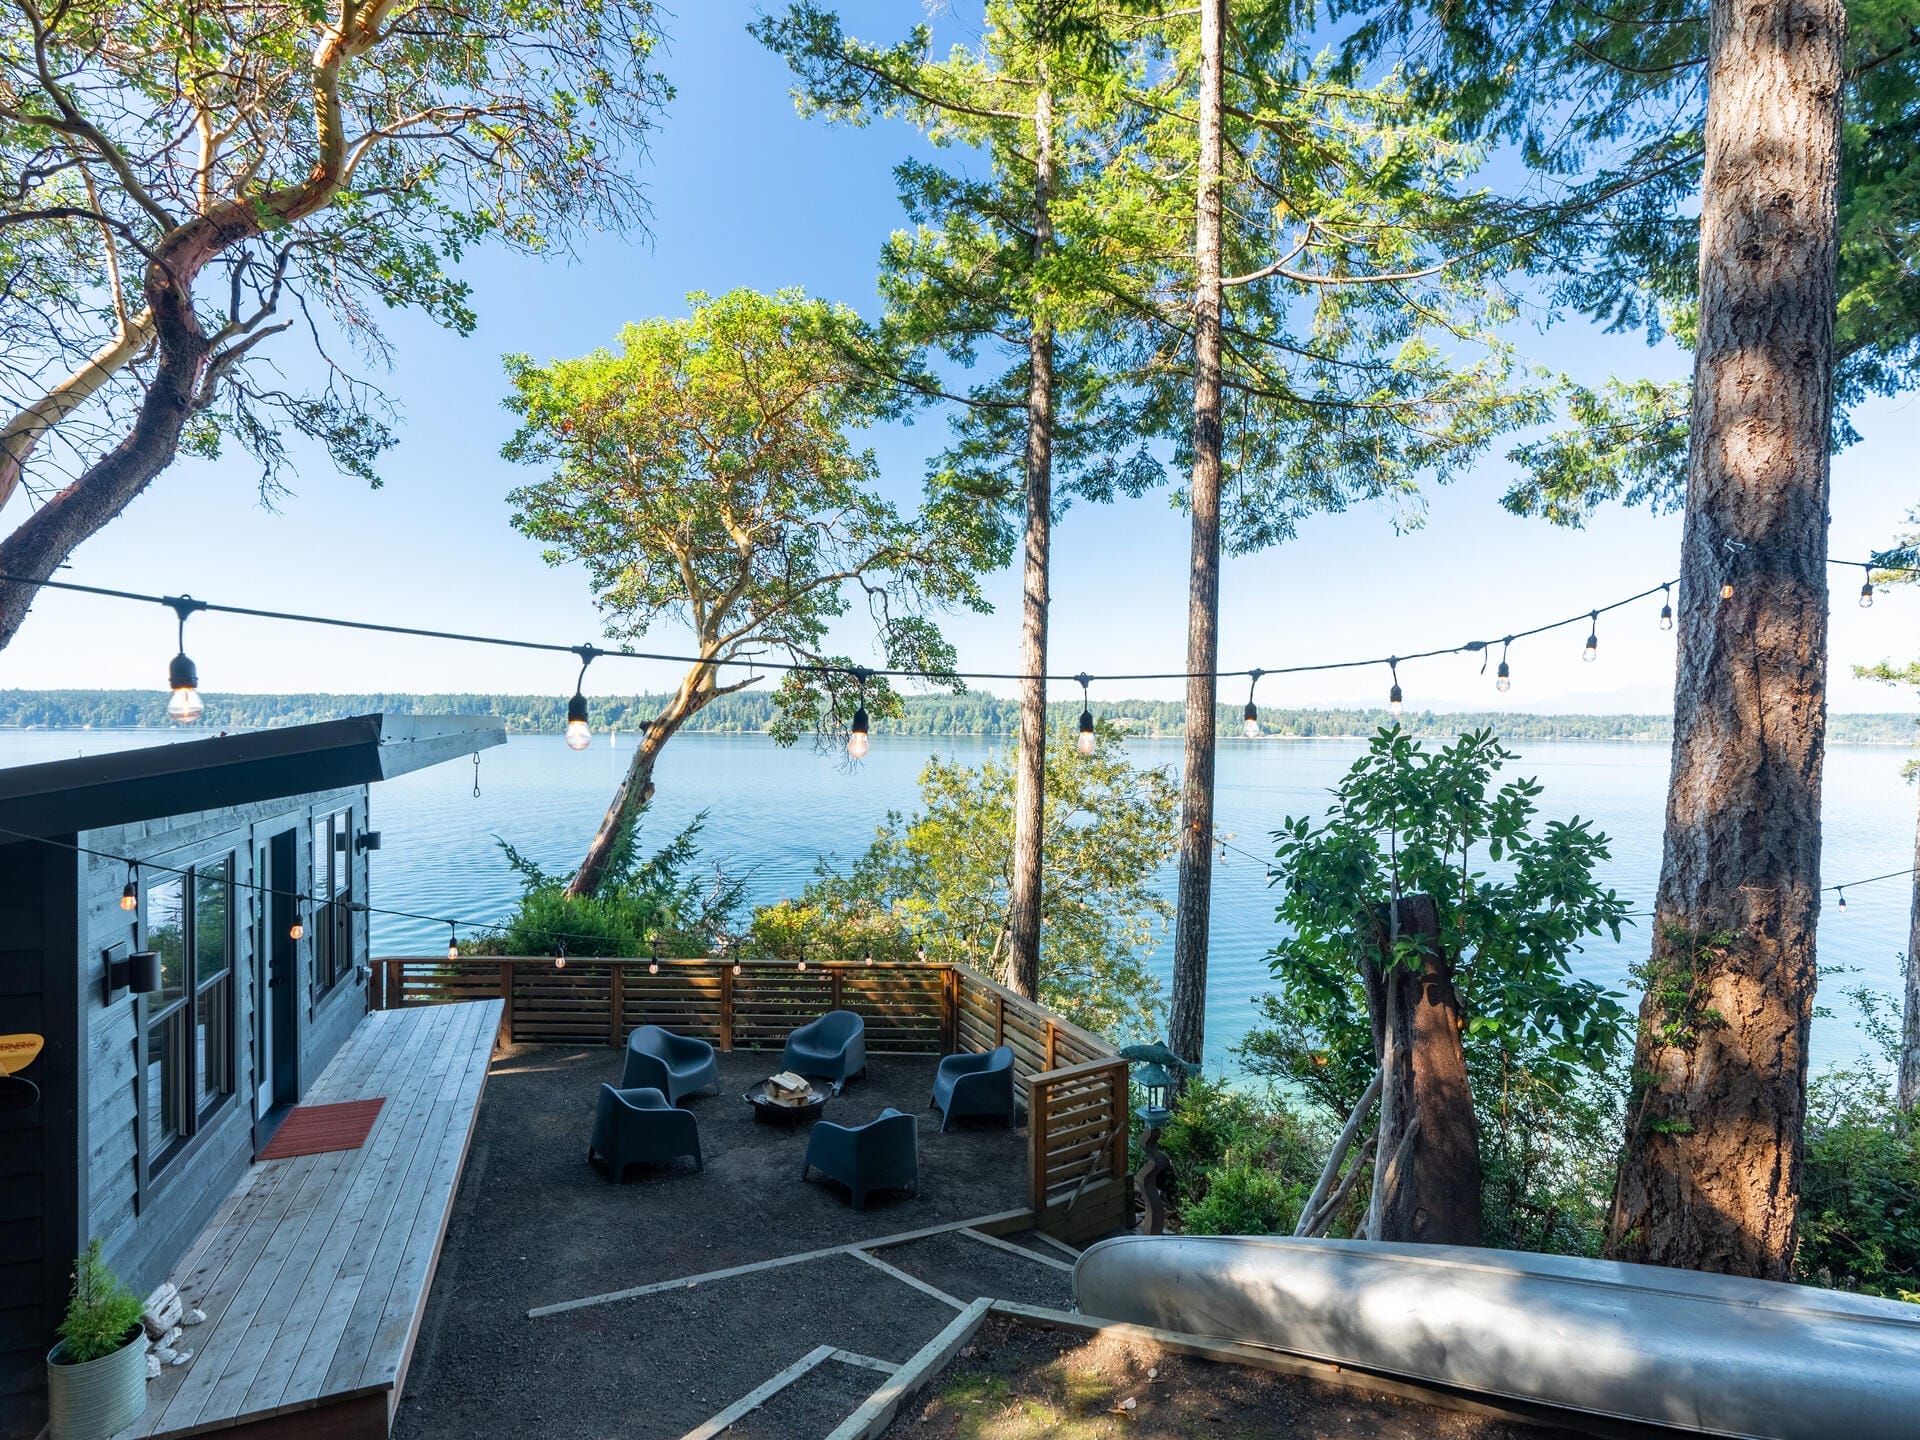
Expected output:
{"points": [[772, 814]]}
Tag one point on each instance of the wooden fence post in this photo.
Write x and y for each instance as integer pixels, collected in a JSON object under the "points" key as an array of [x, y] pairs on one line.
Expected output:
{"points": [[999, 1017], [726, 1009], [1122, 1124], [1053, 1041], [616, 1001], [949, 1010], [838, 977], [506, 1001], [1037, 1149]]}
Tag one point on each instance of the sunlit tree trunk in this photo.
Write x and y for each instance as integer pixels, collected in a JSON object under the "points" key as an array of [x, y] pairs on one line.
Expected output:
{"points": [[1187, 1034], [1909, 1076], [1030, 775], [1711, 1172]]}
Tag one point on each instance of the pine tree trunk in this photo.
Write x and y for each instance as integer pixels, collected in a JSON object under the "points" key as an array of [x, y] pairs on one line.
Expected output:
{"points": [[636, 787], [1030, 761], [1187, 1032], [1909, 1077], [1428, 1185], [1711, 1172]]}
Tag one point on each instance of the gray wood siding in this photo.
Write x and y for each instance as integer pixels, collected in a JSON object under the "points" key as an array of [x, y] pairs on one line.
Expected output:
{"points": [[146, 1230]]}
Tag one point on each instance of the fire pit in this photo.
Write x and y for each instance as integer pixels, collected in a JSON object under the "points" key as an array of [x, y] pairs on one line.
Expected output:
{"points": [[772, 1100]]}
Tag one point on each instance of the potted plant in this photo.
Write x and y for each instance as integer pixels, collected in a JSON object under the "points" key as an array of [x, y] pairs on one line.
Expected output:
{"points": [[97, 1374]]}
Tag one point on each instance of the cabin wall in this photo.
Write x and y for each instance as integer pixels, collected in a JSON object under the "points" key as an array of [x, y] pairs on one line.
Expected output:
{"points": [[38, 1225], [146, 1212]]}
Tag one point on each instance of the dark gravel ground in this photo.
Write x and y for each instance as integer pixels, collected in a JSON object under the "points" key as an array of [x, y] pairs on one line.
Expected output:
{"points": [[812, 1405], [534, 1224], [966, 1269]]}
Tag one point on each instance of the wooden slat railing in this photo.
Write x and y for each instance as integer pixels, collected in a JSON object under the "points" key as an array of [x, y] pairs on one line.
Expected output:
{"points": [[1072, 1082]]}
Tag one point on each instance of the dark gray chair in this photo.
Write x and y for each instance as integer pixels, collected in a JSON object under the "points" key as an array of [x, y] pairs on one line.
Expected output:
{"points": [[883, 1154], [977, 1085], [633, 1127], [673, 1064], [834, 1046]]}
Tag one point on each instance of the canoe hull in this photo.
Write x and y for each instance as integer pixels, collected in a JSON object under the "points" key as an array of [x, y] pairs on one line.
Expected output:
{"points": [[1713, 1354]]}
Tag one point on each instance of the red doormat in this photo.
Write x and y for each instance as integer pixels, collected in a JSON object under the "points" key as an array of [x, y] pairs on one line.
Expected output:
{"points": [[311, 1129]]}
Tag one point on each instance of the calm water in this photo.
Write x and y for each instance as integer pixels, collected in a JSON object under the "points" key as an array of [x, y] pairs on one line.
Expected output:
{"points": [[773, 813]]}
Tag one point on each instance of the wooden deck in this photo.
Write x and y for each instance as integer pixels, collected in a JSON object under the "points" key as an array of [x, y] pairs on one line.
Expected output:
{"points": [[314, 1274]]}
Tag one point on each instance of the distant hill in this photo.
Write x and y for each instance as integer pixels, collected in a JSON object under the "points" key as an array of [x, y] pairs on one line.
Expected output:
{"points": [[749, 713]]}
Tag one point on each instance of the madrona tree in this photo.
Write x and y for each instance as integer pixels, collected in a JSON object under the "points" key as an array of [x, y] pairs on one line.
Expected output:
{"points": [[182, 184], [702, 474]]}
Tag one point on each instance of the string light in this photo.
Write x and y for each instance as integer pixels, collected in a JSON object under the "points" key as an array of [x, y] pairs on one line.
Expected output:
{"points": [[1666, 607], [1250, 717], [1733, 549], [185, 704], [1843, 897], [1592, 652], [130, 894], [453, 942], [1503, 677], [559, 956], [1086, 740], [869, 957], [857, 732], [653, 964], [578, 735], [298, 929], [1866, 590], [1394, 703]]}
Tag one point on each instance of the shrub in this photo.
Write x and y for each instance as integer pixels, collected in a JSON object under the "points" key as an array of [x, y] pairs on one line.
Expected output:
{"points": [[100, 1311], [1243, 1162], [1243, 1198]]}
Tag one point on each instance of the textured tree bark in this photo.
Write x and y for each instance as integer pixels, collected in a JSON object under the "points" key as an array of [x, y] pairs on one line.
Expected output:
{"points": [[1428, 1155], [1188, 1022], [1908, 1084], [1030, 774], [1711, 1171]]}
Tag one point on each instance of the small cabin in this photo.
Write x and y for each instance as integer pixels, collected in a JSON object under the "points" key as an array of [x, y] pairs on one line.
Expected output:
{"points": [[245, 912]]}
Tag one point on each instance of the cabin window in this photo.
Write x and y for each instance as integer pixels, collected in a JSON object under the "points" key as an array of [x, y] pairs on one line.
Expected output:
{"points": [[189, 1019], [332, 892]]}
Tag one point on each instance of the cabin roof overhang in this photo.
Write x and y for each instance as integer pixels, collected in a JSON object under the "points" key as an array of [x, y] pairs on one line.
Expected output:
{"points": [[63, 797]]}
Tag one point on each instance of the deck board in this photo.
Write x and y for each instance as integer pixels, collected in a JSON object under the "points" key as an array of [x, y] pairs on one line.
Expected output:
{"points": [[314, 1271]]}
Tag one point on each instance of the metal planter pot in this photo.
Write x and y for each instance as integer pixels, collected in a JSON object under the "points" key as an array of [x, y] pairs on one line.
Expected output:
{"points": [[99, 1398]]}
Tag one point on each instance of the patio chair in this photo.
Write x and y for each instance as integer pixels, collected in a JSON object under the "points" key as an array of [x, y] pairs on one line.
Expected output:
{"points": [[632, 1127], [834, 1046], [974, 1085], [673, 1064], [883, 1154]]}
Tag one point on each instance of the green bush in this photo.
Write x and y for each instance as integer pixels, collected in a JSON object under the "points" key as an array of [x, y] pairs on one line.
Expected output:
{"points": [[100, 1311], [1859, 1189], [1243, 1198], [1243, 1161]]}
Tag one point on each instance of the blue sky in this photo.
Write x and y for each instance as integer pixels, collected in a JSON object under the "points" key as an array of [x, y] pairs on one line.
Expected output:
{"points": [[747, 193]]}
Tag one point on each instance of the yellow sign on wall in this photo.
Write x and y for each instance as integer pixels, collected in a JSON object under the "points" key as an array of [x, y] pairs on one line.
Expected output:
{"points": [[18, 1051]]}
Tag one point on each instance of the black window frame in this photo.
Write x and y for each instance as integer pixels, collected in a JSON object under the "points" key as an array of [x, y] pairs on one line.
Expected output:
{"points": [[331, 945], [183, 1044]]}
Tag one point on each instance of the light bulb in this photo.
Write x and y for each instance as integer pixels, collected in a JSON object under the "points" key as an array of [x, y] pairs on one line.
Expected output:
{"points": [[185, 706], [1394, 705], [453, 942], [1843, 900], [1087, 740], [653, 967], [296, 930], [736, 967], [803, 964], [1250, 722], [559, 957], [130, 895], [869, 957], [1503, 678], [857, 734], [1666, 617], [1726, 589], [1866, 596], [453, 952], [578, 735], [1592, 652]]}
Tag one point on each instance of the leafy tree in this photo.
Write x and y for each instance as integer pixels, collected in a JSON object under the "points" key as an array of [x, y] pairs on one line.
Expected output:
{"points": [[183, 184], [939, 881], [1013, 262], [702, 474], [1405, 963]]}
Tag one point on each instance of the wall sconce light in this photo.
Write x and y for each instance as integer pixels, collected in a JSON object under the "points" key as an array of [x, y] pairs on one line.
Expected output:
{"points": [[367, 840], [138, 972]]}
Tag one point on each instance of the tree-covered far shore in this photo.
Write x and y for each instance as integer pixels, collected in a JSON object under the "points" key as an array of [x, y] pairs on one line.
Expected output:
{"points": [[930, 715]]}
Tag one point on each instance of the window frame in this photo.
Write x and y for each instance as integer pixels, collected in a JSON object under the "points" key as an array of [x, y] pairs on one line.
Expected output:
{"points": [[181, 1018], [331, 950]]}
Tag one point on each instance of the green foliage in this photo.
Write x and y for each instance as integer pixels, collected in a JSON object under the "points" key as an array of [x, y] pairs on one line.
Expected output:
{"points": [[702, 474], [1410, 821], [100, 1311], [938, 880], [1549, 1150], [643, 900], [1243, 1162], [1860, 1177]]}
